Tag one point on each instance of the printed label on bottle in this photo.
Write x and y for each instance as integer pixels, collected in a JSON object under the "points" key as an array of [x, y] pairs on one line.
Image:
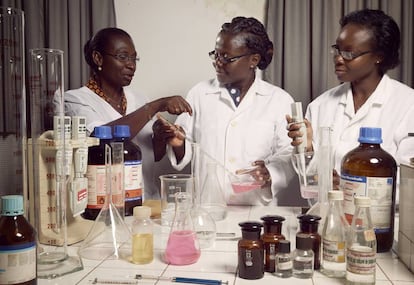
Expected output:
{"points": [[117, 185], [17, 263], [248, 261], [361, 260], [96, 175], [379, 189], [284, 263], [333, 251], [271, 251], [133, 180]]}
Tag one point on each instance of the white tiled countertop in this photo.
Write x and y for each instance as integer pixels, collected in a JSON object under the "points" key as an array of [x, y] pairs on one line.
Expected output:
{"points": [[219, 262]]}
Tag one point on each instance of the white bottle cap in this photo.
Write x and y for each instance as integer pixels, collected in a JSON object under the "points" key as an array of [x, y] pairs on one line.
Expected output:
{"points": [[335, 195], [362, 201], [141, 212]]}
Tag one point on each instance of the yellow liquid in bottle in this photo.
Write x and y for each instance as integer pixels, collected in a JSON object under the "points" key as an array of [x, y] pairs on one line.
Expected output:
{"points": [[142, 248]]}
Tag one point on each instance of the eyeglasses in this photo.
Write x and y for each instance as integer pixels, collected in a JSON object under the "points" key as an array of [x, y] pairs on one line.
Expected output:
{"points": [[122, 57], [225, 60], [347, 55]]}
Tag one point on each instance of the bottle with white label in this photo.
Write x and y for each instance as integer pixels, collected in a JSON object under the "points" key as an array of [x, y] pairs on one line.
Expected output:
{"points": [[334, 237], [368, 170], [17, 244], [361, 245], [133, 180]]}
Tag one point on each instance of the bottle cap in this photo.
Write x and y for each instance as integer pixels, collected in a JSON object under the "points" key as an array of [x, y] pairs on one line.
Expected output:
{"points": [[272, 219], [370, 135], [313, 219], [103, 132], [362, 201], [335, 195], [284, 246], [304, 242], [251, 226], [12, 205], [122, 131], [141, 212]]}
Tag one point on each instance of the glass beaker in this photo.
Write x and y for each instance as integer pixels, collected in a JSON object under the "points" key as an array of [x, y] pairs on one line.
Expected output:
{"points": [[50, 157], [13, 140], [183, 246], [170, 185]]}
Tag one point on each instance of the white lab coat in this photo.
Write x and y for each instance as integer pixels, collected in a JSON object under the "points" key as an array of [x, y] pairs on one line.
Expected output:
{"points": [[390, 107], [237, 136], [84, 102]]}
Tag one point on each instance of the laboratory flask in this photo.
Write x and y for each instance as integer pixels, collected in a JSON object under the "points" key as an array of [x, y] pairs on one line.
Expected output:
{"points": [[50, 163], [183, 246], [13, 137], [204, 223]]}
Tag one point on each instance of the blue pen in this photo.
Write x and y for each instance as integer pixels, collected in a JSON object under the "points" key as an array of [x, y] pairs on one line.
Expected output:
{"points": [[184, 280]]}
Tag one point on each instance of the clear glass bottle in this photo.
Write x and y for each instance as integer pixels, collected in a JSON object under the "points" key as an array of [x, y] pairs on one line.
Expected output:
{"points": [[283, 260], [308, 225], [272, 227], [368, 170], [361, 245], [334, 237], [250, 251], [17, 242], [96, 173], [183, 246], [303, 257], [142, 236], [133, 180]]}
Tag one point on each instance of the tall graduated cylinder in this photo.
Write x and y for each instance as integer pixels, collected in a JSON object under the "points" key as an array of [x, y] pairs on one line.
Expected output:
{"points": [[12, 103], [50, 158]]}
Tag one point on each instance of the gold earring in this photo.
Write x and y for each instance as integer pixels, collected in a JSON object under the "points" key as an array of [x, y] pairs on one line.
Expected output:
{"points": [[378, 62], [100, 68]]}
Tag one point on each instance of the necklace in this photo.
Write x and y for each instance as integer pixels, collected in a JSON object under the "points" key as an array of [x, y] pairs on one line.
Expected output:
{"points": [[121, 105]]}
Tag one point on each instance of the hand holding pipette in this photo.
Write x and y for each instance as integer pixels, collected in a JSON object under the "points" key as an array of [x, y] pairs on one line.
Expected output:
{"points": [[178, 132]]}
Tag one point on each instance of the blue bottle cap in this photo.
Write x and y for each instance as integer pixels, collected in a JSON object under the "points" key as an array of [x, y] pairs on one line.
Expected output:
{"points": [[370, 135], [12, 205], [122, 131], [103, 132]]}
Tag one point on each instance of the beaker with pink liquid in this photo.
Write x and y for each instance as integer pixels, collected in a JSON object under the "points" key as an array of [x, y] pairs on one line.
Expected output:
{"points": [[183, 246]]}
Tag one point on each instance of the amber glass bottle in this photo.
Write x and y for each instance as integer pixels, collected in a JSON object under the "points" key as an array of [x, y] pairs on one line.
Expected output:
{"points": [[133, 181], [368, 170], [96, 173], [272, 227], [308, 226], [17, 244], [250, 251]]}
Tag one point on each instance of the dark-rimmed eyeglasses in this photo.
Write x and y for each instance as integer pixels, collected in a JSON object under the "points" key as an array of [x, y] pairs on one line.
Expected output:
{"points": [[122, 57], [347, 55], [223, 59]]}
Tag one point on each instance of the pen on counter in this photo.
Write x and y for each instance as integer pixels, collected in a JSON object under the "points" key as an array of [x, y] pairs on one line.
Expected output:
{"points": [[184, 280]]}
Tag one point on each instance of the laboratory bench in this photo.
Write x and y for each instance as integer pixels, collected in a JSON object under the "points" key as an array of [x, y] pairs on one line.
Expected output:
{"points": [[219, 262]]}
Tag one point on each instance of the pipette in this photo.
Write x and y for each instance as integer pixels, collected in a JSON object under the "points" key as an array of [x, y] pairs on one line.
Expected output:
{"points": [[297, 117], [183, 280]]}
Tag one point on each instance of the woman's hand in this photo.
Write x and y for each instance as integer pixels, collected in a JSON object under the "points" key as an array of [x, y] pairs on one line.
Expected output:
{"points": [[296, 135], [260, 173], [174, 105], [168, 133]]}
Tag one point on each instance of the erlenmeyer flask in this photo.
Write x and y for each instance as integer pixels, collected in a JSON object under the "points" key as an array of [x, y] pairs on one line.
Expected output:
{"points": [[183, 246], [109, 236], [212, 196], [204, 224]]}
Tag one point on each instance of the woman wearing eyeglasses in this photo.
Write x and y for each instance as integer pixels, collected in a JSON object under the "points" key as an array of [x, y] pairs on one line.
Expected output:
{"points": [[106, 99], [366, 48], [238, 119]]}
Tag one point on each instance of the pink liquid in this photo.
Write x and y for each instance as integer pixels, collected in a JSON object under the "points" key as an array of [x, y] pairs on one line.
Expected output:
{"points": [[182, 248], [240, 187]]}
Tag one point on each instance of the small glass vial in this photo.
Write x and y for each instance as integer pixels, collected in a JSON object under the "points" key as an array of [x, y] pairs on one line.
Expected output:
{"points": [[272, 226], [250, 251], [308, 225], [17, 242], [142, 236], [303, 257], [283, 261]]}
